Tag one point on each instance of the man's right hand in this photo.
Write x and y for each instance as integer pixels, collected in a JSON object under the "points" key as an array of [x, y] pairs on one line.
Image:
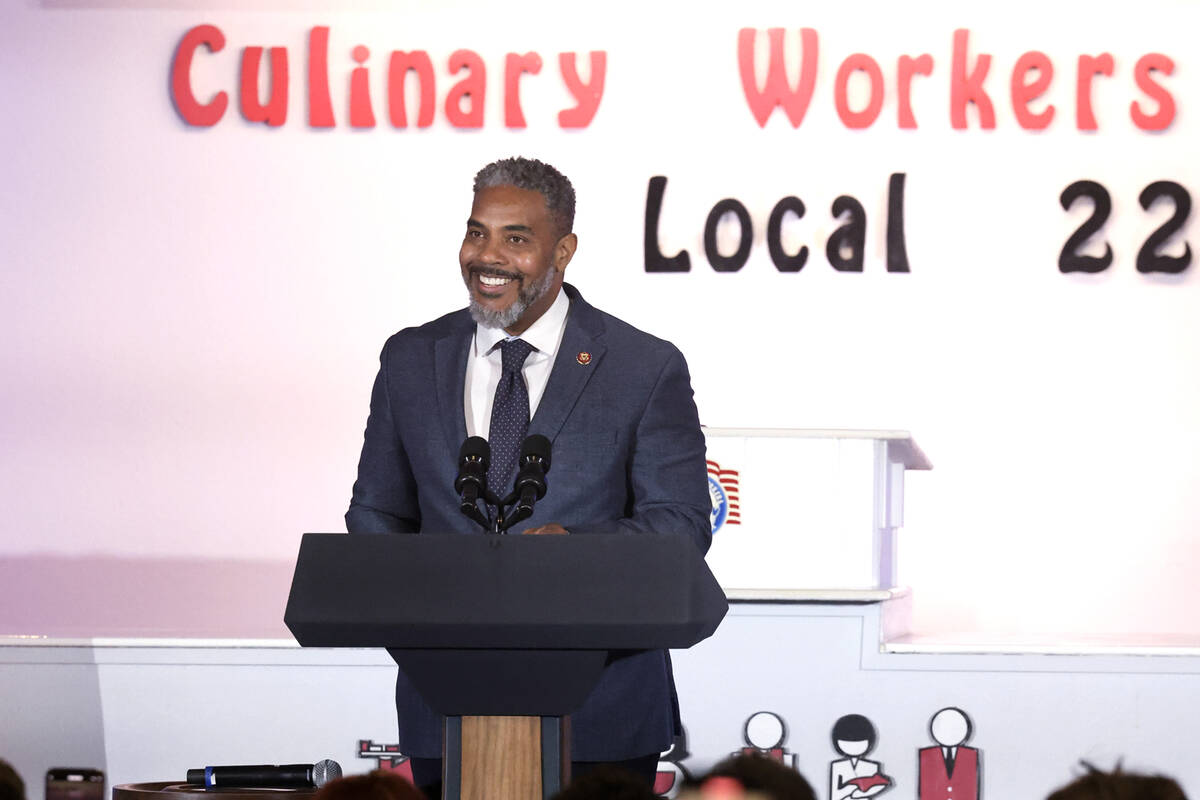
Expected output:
{"points": [[553, 527]]}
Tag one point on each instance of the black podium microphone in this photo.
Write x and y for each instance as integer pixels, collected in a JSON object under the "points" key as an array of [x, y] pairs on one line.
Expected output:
{"points": [[535, 463], [531, 479], [266, 776], [474, 457]]}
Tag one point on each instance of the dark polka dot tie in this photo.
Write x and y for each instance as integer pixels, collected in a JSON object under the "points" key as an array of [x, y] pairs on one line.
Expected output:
{"points": [[510, 416]]}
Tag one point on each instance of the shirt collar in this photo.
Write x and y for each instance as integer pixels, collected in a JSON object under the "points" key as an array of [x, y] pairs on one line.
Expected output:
{"points": [[544, 334]]}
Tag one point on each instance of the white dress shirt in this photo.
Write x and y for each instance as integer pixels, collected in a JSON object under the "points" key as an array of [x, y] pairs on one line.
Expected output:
{"points": [[484, 365]]}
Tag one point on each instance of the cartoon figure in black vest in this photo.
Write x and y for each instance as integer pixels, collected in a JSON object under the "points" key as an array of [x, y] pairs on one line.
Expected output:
{"points": [[765, 733], [854, 775], [949, 771]]}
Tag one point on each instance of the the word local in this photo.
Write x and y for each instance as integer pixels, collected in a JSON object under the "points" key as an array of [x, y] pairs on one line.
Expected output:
{"points": [[845, 248]]}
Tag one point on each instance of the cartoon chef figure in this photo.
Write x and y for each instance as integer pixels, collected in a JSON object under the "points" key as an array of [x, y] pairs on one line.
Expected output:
{"points": [[854, 775]]}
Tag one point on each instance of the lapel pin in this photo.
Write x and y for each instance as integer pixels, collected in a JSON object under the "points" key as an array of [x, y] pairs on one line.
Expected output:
{"points": [[584, 358]]}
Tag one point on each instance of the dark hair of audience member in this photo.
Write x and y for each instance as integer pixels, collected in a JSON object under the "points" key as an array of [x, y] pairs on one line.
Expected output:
{"points": [[378, 785], [759, 773], [607, 783], [11, 785], [1118, 785]]}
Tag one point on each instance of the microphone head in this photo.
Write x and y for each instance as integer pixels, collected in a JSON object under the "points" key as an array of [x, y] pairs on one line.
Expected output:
{"points": [[325, 771], [477, 448], [536, 447]]}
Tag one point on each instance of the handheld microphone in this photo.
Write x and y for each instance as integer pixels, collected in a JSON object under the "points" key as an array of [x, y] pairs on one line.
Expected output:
{"points": [[530, 486], [266, 776], [474, 457]]}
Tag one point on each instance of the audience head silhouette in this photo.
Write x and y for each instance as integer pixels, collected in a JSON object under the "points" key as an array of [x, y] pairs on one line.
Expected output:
{"points": [[11, 785], [378, 785], [1118, 785]]}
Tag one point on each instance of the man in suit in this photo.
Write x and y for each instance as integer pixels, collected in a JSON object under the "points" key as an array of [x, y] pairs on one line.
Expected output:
{"points": [[529, 356]]}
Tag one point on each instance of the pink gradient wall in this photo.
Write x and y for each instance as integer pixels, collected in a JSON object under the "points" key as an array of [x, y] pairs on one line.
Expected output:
{"points": [[190, 318]]}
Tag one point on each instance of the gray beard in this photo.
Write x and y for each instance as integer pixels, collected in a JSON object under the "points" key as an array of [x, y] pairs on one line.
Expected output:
{"points": [[527, 295]]}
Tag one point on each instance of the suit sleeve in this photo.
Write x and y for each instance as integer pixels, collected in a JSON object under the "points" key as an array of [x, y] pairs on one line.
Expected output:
{"points": [[384, 499], [667, 475]]}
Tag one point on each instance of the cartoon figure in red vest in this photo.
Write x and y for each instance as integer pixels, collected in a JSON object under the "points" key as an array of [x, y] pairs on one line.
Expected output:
{"points": [[765, 733], [949, 771], [855, 776]]}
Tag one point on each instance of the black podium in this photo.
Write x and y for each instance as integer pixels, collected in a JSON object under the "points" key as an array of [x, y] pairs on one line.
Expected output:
{"points": [[505, 635]]}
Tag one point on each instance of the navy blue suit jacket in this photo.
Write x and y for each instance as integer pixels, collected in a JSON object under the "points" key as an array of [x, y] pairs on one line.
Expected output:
{"points": [[628, 456]]}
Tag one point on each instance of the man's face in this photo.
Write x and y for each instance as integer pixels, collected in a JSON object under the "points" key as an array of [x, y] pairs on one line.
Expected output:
{"points": [[512, 257]]}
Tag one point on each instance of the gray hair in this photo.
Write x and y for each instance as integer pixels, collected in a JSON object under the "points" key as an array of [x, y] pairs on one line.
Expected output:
{"points": [[536, 176]]}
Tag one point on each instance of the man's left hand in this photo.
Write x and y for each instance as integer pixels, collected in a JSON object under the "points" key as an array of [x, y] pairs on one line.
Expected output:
{"points": [[553, 527]]}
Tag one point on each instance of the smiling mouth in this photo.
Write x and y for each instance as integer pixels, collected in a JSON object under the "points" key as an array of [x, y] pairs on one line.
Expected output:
{"points": [[493, 280]]}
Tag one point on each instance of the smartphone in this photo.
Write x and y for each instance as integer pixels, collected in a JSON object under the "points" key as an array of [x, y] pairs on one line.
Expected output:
{"points": [[73, 783]]}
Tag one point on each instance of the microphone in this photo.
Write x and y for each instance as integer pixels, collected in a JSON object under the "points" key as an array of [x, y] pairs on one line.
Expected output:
{"points": [[530, 487], [474, 457], [535, 463], [266, 776]]}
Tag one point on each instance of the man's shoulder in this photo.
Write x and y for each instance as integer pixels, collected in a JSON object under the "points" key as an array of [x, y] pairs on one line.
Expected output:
{"points": [[417, 336], [618, 333], [623, 334]]}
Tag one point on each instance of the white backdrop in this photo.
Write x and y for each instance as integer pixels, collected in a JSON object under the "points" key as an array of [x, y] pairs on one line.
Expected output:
{"points": [[191, 316]]}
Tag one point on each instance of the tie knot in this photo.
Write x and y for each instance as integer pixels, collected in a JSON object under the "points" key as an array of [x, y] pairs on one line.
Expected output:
{"points": [[513, 353]]}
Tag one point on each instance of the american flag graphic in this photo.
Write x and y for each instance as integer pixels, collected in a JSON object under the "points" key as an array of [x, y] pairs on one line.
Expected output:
{"points": [[728, 480], [388, 756]]}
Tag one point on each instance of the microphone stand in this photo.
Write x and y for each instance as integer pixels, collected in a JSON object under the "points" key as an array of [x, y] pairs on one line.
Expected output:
{"points": [[501, 514], [498, 519], [529, 485]]}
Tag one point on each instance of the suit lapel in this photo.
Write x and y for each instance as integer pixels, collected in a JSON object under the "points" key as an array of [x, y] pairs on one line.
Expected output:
{"points": [[582, 341], [450, 377]]}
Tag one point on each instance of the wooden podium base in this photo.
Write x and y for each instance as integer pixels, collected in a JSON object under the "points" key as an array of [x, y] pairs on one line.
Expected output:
{"points": [[505, 758]]}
